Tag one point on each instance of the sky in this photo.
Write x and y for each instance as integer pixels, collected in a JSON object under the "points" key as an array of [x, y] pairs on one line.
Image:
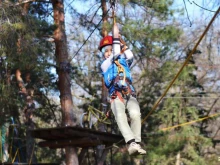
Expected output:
{"points": [[198, 10], [194, 9]]}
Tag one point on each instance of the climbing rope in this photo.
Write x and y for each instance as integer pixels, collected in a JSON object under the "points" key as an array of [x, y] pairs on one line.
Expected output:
{"points": [[30, 161], [17, 151], [184, 64], [113, 6], [190, 122]]}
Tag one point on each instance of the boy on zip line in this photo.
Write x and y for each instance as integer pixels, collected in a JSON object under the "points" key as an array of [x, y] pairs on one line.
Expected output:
{"points": [[117, 77]]}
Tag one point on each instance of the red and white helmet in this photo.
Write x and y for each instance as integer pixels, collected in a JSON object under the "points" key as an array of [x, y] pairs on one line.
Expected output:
{"points": [[105, 41]]}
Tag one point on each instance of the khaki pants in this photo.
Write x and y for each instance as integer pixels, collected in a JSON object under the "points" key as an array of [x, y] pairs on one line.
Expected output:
{"points": [[134, 130]]}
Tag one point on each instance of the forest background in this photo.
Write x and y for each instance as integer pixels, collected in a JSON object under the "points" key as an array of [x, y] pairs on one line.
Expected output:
{"points": [[50, 75]]}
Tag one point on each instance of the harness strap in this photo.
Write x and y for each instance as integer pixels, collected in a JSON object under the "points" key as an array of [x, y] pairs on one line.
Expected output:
{"points": [[120, 70], [115, 95], [122, 95], [122, 92]]}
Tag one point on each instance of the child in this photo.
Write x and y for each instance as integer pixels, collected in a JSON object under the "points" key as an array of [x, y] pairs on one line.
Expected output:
{"points": [[116, 72]]}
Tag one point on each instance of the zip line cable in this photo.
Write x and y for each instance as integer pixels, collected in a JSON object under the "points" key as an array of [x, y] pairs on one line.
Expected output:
{"points": [[190, 23], [200, 6], [203, 7], [112, 6], [96, 26], [184, 64]]}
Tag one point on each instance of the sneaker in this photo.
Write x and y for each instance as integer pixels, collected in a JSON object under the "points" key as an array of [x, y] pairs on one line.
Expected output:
{"points": [[135, 149]]}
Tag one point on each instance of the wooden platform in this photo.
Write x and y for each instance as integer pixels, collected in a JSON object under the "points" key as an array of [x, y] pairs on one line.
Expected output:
{"points": [[61, 137]]}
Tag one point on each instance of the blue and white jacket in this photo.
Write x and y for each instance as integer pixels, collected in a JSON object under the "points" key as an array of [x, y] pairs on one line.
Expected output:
{"points": [[110, 70]]}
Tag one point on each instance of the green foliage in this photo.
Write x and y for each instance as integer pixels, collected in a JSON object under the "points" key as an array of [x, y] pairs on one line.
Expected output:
{"points": [[178, 109], [164, 149], [149, 29], [23, 46], [47, 155]]}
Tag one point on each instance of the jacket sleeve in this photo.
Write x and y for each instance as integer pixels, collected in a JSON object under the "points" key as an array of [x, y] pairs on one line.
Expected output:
{"points": [[116, 47], [128, 54], [105, 64], [117, 50]]}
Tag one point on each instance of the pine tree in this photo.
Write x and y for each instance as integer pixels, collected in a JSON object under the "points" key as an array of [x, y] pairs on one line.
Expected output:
{"points": [[24, 48], [179, 107]]}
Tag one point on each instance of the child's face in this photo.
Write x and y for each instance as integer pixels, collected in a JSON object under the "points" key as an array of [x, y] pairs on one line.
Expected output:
{"points": [[107, 51]]}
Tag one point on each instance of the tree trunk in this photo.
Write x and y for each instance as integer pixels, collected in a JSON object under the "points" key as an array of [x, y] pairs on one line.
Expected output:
{"points": [[28, 97], [64, 84], [28, 114], [104, 33], [101, 152]]}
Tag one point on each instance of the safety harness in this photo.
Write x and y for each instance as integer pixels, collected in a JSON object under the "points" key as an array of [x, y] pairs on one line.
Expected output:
{"points": [[121, 70], [124, 89], [122, 92]]}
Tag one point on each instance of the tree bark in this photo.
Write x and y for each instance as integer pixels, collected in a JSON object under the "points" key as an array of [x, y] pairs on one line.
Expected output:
{"points": [[28, 114], [64, 84], [28, 97], [101, 152], [104, 18]]}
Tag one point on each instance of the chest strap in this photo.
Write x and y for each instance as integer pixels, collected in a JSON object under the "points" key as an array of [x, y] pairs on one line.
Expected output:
{"points": [[121, 70], [123, 95]]}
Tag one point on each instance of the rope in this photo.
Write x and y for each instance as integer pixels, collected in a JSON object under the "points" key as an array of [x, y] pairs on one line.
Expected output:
{"points": [[203, 7], [13, 160], [187, 13], [32, 154], [190, 122], [113, 10], [184, 64], [96, 26]]}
